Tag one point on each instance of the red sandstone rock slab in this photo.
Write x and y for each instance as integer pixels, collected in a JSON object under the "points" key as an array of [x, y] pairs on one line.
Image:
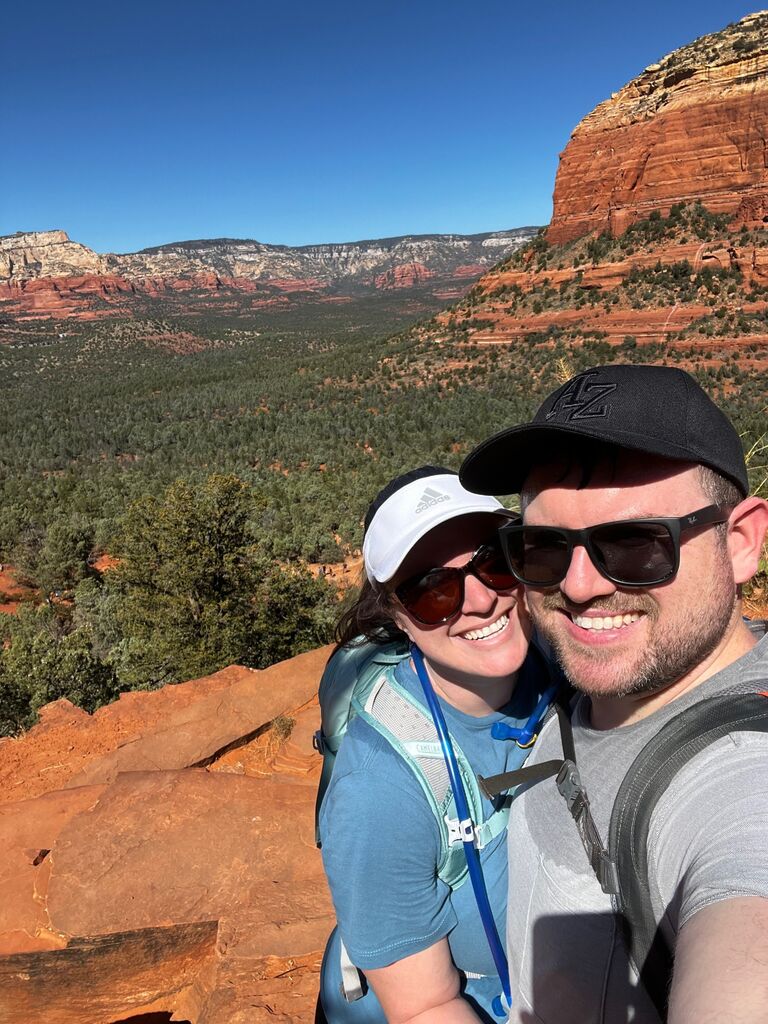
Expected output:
{"points": [[67, 738], [28, 832], [164, 847], [169, 888], [106, 978], [265, 990], [197, 733], [198, 892], [67, 742], [289, 761]]}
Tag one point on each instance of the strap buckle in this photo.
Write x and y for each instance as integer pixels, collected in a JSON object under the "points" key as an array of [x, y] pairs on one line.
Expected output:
{"points": [[570, 787], [573, 792], [462, 832]]}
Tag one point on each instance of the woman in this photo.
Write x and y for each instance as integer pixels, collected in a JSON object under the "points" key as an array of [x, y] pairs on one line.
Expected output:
{"points": [[437, 579]]}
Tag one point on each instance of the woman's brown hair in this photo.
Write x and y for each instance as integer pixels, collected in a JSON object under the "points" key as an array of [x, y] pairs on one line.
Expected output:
{"points": [[370, 617]]}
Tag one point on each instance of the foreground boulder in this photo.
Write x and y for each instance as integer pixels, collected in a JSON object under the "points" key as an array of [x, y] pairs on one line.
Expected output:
{"points": [[175, 874]]}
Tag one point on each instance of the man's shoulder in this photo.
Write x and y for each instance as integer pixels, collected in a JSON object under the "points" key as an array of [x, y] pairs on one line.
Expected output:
{"points": [[748, 674]]}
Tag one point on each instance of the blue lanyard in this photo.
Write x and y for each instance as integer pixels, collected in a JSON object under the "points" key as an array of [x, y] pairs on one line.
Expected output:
{"points": [[467, 831]]}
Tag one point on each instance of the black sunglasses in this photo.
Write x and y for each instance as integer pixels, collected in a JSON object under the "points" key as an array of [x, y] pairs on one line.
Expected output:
{"points": [[436, 595], [629, 553]]}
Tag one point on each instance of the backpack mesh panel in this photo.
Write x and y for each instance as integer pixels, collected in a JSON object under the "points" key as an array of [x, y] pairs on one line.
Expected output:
{"points": [[408, 724]]}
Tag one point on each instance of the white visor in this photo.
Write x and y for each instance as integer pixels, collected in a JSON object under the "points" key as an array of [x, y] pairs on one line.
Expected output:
{"points": [[410, 513]]}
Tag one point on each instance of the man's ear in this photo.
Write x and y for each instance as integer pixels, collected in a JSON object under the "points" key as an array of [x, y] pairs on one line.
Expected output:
{"points": [[746, 534]]}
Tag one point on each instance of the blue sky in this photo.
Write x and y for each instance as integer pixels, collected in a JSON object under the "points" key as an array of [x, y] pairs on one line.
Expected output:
{"points": [[129, 125]]}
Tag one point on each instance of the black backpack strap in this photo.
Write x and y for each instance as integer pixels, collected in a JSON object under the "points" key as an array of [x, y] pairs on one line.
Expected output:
{"points": [[318, 742], [571, 789], [652, 771], [494, 785]]}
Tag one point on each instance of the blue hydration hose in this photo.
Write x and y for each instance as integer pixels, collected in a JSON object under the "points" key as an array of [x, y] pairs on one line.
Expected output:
{"points": [[467, 833]]}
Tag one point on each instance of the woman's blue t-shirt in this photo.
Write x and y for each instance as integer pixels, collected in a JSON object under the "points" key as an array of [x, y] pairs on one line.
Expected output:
{"points": [[381, 843]]}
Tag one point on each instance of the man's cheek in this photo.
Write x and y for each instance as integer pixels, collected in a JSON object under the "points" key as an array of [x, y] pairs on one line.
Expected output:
{"points": [[536, 607]]}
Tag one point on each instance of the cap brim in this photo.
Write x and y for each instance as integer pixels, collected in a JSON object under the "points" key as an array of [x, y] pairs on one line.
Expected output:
{"points": [[501, 464]]}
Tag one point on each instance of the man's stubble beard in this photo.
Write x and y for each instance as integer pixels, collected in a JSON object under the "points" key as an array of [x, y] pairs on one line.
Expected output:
{"points": [[672, 649]]}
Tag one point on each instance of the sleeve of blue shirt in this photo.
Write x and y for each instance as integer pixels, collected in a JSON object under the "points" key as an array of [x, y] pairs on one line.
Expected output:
{"points": [[376, 824]]}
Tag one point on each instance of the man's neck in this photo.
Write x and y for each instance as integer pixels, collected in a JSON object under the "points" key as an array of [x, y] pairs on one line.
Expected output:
{"points": [[613, 712]]}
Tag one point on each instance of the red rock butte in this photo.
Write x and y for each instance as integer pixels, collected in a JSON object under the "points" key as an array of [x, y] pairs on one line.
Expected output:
{"points": [[694, 126]]}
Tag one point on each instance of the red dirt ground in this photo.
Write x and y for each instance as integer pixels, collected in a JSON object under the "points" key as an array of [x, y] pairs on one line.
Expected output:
{"points": [[11, 591]]}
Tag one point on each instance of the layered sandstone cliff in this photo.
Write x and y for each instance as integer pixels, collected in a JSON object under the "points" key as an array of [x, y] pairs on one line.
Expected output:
{"points": [[29, 255], [692, 126], [323, 265], [659, 238]]}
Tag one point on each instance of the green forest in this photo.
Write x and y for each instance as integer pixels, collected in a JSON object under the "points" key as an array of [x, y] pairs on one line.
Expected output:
{"points": [[215, 457]]}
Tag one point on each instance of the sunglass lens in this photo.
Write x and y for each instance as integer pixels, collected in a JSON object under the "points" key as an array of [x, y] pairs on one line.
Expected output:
{"points": [[492, 569], [634, 554], [433, 597], [538, 556]]}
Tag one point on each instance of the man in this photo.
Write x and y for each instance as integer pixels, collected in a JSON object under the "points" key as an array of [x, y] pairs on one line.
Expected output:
{"points": [[646, 621]]}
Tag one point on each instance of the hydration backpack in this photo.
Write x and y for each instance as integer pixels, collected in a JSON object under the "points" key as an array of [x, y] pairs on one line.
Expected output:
{"points": [[360, 680]]}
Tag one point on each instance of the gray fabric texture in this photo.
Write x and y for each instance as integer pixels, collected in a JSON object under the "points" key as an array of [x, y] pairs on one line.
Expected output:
{"points": [[707, 843]]}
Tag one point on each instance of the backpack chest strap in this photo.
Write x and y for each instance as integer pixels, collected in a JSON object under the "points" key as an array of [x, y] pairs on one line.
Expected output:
{"points": [[574, 793], [484, 832]]}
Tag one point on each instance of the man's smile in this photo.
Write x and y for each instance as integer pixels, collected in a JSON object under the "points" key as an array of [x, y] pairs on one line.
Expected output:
{"points": [[600, 622]]}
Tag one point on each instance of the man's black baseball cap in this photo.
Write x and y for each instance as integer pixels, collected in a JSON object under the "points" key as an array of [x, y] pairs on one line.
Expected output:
{"points": [[658, 410]]}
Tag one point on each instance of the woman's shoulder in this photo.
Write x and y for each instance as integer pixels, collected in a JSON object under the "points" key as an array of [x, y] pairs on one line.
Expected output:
{"points": [[366, 751], [371, 779]]}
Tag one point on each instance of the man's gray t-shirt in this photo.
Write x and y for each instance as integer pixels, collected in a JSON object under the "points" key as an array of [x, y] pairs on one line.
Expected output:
{"points": [[707, 842]]}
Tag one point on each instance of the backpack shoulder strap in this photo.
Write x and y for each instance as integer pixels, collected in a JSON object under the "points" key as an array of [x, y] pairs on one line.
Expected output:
{"points": [[350, 672], [644, 784], [408, 727]]}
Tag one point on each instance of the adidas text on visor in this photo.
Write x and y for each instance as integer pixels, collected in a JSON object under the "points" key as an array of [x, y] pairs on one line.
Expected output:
{"points": [[410, 513]]}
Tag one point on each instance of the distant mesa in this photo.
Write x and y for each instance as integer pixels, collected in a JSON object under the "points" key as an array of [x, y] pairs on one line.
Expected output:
{"points": [[44, 274]]}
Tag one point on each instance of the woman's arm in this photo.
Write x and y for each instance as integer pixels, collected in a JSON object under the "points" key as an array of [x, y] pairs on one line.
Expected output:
{"points": [[422, 989], [389, 902]]}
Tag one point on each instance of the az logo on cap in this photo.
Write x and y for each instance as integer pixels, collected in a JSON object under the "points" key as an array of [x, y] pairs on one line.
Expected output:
{"points": [[580, 399]]}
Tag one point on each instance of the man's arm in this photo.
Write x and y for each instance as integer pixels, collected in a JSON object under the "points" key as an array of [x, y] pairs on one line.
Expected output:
{"points": [[721, 965]]}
